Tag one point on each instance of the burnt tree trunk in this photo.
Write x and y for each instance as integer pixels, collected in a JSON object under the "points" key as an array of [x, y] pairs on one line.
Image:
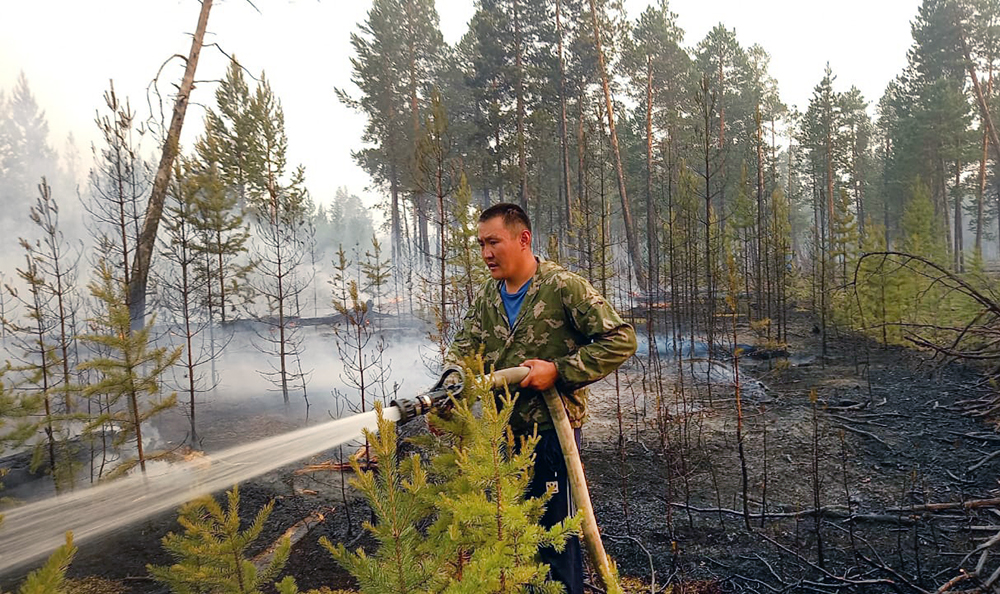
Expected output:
{"points": [[633, 246], [171, 146], [563, 124], [522, 163]]}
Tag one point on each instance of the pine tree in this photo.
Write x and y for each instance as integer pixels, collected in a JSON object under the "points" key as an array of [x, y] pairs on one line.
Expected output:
{"points": [[482, 512], [51, 577], [223, 242], [844, 236], [376, 274], [211, 554], [119, 186], [43, 341], [844, 252], [129, 369], [484, 534], [17, 416], [437, 173], [232, 168], [28, 156], [280, 203], [403, 562], [229, 145], [463, 250], [57, 262], [363, 365], [658, 69], [922, 236], [395, 50], [875, 299]]}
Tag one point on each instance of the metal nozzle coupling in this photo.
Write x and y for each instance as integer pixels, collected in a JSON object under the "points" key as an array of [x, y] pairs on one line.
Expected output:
{"points": [[451, 382]]}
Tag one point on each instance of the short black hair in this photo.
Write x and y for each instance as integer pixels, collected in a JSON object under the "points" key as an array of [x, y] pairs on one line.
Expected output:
{"points": [[512, 215]]}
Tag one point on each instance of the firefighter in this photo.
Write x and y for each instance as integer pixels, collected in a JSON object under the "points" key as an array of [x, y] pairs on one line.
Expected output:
{"points": [[534, 313]]}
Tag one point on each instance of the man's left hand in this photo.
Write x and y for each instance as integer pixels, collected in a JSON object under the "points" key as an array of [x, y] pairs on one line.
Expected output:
{"points": [[542, 376]]}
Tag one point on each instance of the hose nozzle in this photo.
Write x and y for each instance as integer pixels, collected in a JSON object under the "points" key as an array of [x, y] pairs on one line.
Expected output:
{"points": [[451, 382]]}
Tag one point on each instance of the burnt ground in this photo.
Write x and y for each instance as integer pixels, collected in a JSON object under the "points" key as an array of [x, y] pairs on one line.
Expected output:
{"points": [[886, 434]]}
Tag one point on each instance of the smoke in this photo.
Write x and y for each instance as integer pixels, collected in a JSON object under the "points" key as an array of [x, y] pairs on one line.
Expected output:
{"points": [[240, 364], [704, 366]]}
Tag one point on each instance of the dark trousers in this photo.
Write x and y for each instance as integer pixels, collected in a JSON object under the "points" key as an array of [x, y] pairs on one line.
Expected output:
{"points": [[550, 467]]}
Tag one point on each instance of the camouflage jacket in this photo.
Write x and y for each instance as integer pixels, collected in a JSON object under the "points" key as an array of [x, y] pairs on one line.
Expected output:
{"points": [[562, 320]]}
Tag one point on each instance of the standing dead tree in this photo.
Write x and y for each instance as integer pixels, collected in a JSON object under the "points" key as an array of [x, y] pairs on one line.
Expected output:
{"points": [[279, 253], [171, 147], [184, 288]]}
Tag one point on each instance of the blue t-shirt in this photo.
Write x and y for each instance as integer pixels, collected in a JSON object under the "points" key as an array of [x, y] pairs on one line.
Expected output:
{"points": [[512, 303]]}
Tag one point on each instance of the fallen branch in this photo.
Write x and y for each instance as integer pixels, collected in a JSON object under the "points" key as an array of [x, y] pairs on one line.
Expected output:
{"points": [[652, 569], [295, 533], [865, 433], [971, 504], [983, 461], [833, 511], [979, 436], [859, 421], [366, 460], [841, 579]]}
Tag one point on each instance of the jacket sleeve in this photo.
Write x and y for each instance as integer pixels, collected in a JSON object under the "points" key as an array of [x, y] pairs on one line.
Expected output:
{"points": [[467, 339], [609, 341]]}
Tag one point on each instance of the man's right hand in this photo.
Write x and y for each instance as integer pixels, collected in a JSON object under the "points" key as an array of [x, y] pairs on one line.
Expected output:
{"points": [[542, 376]]}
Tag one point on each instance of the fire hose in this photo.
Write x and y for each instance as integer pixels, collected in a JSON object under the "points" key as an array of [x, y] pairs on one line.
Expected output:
{"points": [[452, 382]]}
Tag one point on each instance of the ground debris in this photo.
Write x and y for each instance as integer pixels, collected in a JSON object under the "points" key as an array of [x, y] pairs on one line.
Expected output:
{"points": [[366, 460], [294, 533]]}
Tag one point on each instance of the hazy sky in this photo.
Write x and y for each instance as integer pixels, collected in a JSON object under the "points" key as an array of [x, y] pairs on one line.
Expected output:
{"points": [[69, 49]]}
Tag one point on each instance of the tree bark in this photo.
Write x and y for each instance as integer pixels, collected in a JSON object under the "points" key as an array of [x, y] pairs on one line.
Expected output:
{"points": [[761, 248], [984, 108], [522, 163], [651, 216], [959, 239], [171, 146], [563, 140], [633, 246]]}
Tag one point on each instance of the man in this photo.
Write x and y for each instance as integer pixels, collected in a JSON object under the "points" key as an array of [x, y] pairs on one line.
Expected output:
{"points": [[536, 314]]}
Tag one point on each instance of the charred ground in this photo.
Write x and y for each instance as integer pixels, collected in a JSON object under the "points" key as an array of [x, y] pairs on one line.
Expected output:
{"points": [[887, 434]]}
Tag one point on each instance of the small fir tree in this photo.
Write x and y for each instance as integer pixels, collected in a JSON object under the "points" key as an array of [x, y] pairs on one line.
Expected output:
{"points": [[484, 533], [129, 371], [377, 272], [183, 286], [404, 562], [874, 287], [17, 410], [485, 525], [464, 253], [844, 256], [51, 577], [42, 342], [211, 554]]}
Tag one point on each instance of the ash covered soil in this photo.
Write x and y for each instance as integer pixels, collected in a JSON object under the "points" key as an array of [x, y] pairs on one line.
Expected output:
{"points": [[888, 433]]}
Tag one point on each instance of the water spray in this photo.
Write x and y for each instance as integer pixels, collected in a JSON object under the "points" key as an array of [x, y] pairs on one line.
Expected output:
{"points": [[31, 531]]}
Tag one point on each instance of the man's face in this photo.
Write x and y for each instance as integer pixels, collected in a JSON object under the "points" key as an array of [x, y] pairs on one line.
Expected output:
{"points": [[501, 248]]}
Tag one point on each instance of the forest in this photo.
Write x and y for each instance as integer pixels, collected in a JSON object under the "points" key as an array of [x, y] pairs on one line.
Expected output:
{"points": [[813, 406]]}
